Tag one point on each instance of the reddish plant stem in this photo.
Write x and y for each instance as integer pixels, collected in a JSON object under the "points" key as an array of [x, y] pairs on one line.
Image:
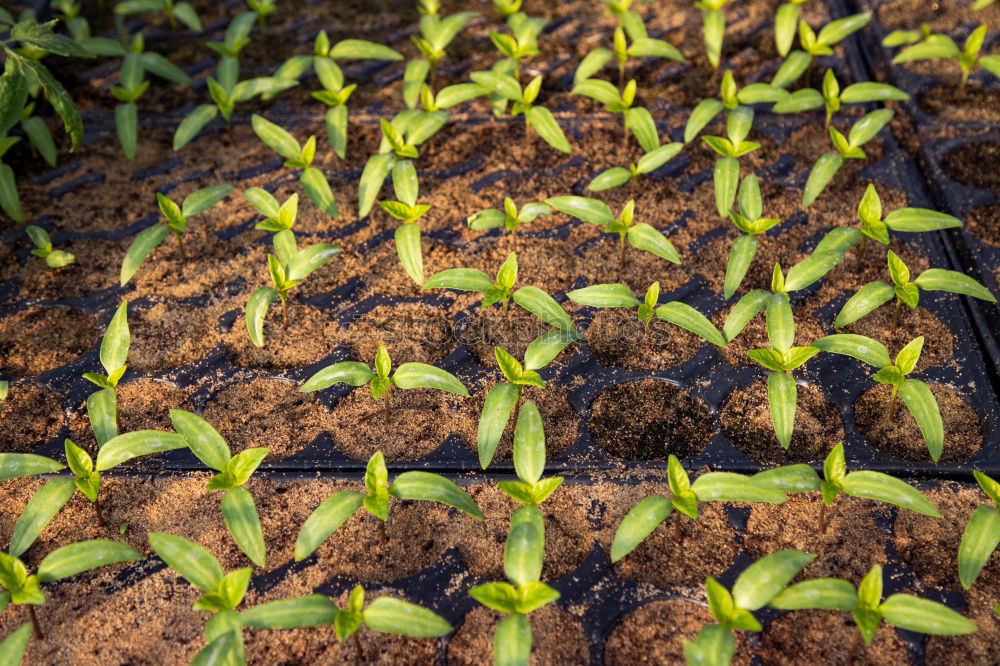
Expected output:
{"points": [[97, 512], [284, 314], [854, 650], [357, 646], [383, 530], [36, 627], [822, 516], [678, 531], [387, 406]]}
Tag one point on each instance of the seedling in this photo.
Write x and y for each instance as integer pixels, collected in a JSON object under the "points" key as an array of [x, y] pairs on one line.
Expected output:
{"points": [[726, 175], [523, 43], [114, 350], [298, 157], [43, 248], [224, 592], [23, 74], [916, 395], [529, 460], [407, 210], [759, 584], [133, 83], [714, 28], [225, 89], [648, 163], [874, 294], [640, 235], [786, 21], [536, 117], [509, 219], [22, 589], [177, 219], [849, 147], [836, 479], [831, 96], [943, 46], [238, 509], [637, 119], [982, 534], [407, 376], [914, 220], [505, 397], [385, 614], [413, 485], [524, 593], [730, 98], [652, 510], [400, 139], [436, 34], [262, 9], [175, 11], [749, 220], [781, 358], [812, 45], [630, 29], [288, 267], [904, 611], [501, 290]]}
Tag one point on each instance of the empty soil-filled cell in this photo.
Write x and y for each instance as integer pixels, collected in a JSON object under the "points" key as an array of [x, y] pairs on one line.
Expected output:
{"points": [[984, 222], [887, 425], [412, 332], [964, 165], [311, 334], [649, 420], [827, 637], [746, 421], [171, 334]]}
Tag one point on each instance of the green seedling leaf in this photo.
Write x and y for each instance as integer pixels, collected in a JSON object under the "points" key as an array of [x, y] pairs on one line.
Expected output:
{"points": [[921, 403], [312, 610], [493, 421], [685, 316], [980, 538], [14, 465], [131, 445], [203, 440], [39, 512], [821, 593], [198, 566], [764, 579], [512, 641], [243, 523], [417, 485], [84, 556], [144, 243], [638, 524], [394, 616], [325, 520]]}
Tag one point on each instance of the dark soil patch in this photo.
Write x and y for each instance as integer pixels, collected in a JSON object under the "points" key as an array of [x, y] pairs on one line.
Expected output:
{"points": [[648, 420], [895, 432], [746, 421], [984, 222], [965, 165]]}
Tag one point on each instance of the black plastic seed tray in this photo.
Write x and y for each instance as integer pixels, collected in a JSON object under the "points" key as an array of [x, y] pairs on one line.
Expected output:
{"points": [[917, 84], [707, 375], [595, 594], [973, 254]]}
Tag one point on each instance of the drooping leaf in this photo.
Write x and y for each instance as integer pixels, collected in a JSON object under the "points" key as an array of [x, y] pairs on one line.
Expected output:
{"points": [[43, 506], [980, 538], [325, 520]]}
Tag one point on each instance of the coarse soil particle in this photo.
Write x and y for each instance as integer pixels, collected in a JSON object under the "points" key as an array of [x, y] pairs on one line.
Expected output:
{"points": [[827, 637], [267, 412], [618, 339], [708, 545], [486, 328], [847, 548], [311, 335], [883, 325], [29, 417], [648, 420], [965, 165], [560, 422], [746, 421], [143, 404], [944, 100], [417, 422], [654, 633], [568, 537], [557, 637], [38, 339], [984, 222], [171, 334], [894, 430], [411, 332], [929, 546]]}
